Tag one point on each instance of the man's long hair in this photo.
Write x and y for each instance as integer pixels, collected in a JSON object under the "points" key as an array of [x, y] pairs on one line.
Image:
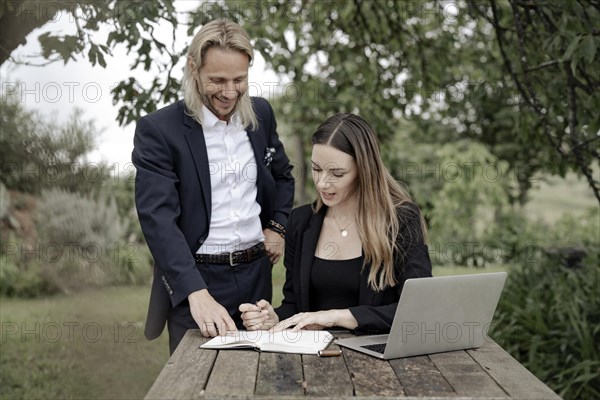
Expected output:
{"points": [[226, 35]]}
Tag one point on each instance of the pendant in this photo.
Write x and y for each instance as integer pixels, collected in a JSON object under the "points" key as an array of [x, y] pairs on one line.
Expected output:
{"points": [[344, 232]]}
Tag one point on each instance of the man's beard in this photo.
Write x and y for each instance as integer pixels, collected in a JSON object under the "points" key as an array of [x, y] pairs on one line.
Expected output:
{"points": [[206, 101]]}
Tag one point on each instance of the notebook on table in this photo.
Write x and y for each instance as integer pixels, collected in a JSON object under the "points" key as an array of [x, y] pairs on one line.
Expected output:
{"points": [[435, 315], [287, 341]]}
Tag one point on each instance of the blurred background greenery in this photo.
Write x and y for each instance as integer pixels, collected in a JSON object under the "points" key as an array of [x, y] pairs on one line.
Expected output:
{"points": [[487, 110]]}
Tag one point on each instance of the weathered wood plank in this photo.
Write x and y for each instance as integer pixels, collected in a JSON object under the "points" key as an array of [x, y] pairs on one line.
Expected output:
{"points": [[487, 372], [419, 377], [515, 379], [186, 372], [326, 376], [233, 375], [279, 374], [371, 376], [465, 376]]}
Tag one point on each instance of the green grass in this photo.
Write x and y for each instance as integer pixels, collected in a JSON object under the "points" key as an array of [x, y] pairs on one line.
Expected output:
{"points": [[554, 196], [87, 345], [460, 270], [278, 280]]}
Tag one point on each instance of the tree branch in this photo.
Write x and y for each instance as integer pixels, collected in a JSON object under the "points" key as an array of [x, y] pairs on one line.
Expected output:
{"points": [[573, 134], [507, 64], [543, 65], [522, 91], [30, 64]]}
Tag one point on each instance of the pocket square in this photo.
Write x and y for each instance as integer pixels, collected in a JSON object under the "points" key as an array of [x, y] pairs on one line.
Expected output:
{"points": [[269, 152]]}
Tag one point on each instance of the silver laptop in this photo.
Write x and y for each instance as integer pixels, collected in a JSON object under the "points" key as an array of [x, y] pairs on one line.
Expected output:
{"points": [[437, 314]]}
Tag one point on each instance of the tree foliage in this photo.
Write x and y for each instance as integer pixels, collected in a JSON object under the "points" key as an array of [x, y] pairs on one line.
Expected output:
{"points": [[40, 154], [132, 24], [519, 77]]}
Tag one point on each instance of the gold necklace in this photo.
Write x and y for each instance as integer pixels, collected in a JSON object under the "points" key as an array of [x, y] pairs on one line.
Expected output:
{"points": [[343, 230]]}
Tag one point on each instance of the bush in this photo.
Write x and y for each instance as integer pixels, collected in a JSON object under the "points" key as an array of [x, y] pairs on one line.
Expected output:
{"points": [[20, 278], [579, 232], [19, 282], [71, 218], [517, 239], [134, 266], [82, 242], [549, 319], [4, 201]]}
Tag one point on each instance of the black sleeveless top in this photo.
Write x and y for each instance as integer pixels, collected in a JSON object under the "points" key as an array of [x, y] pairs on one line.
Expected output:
{"points": [[334, 284]]}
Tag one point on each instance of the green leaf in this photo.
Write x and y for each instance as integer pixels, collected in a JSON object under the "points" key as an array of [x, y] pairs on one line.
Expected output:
{"points": [[572, 47], [573, 66], [92, 54], [112, 36], [588, 49], [101, 60], [47, 44]]}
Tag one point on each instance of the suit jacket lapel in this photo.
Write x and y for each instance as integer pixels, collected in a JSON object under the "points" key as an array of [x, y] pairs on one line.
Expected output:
{"points": [[310, 239], [195, 140], [258, 146]]}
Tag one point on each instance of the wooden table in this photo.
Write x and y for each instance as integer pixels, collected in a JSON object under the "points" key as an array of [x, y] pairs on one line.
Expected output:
{"points": [[485, 373]]}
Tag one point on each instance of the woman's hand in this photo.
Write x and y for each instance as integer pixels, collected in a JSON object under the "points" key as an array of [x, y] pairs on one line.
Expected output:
{"points": [[318, 320], [259, 316]]}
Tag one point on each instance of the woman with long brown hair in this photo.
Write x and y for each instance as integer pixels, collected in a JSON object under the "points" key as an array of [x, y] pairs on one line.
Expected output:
{"points": [[348, 254]]}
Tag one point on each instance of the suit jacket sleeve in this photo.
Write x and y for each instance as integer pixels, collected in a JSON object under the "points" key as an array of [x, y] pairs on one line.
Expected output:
{"points": [[413, 262], [289, 305], [281, 170], [158, 207]]}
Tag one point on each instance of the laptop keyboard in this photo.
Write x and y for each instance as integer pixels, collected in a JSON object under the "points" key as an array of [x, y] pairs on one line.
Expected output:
{"points": [[378, 348]]}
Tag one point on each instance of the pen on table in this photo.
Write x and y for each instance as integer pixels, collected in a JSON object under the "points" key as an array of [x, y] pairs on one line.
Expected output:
{"points": [[330, 353]]}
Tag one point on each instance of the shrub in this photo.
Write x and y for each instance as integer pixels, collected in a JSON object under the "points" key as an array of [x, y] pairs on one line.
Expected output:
{"points": [[82, 242], [549, 319], [4, 201], [27, 283], [134, 265], [580, 232], [66, 217], [517, 239], [19, 278]]}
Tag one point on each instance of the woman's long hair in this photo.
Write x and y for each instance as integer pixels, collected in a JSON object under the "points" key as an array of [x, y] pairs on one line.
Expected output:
{"points": [[222, 34], [379, 195]]}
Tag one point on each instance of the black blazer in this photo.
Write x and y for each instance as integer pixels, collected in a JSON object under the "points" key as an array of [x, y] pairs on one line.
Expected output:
{"points": [[375, 311], [173, 196]]}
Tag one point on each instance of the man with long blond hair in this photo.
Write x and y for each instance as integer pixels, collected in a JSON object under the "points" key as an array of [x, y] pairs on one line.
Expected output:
{"points": [[213, 191]]}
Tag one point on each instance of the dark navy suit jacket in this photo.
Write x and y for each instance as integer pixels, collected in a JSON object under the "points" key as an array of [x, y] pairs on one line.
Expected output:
{"points": [[173, 196], [376, 309]]}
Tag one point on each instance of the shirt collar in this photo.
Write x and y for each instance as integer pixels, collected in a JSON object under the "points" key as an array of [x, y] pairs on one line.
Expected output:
{"points": [[209, 119]]}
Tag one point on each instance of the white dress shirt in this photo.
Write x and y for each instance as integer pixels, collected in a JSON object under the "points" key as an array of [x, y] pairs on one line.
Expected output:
{"points": [[234, 223]]}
